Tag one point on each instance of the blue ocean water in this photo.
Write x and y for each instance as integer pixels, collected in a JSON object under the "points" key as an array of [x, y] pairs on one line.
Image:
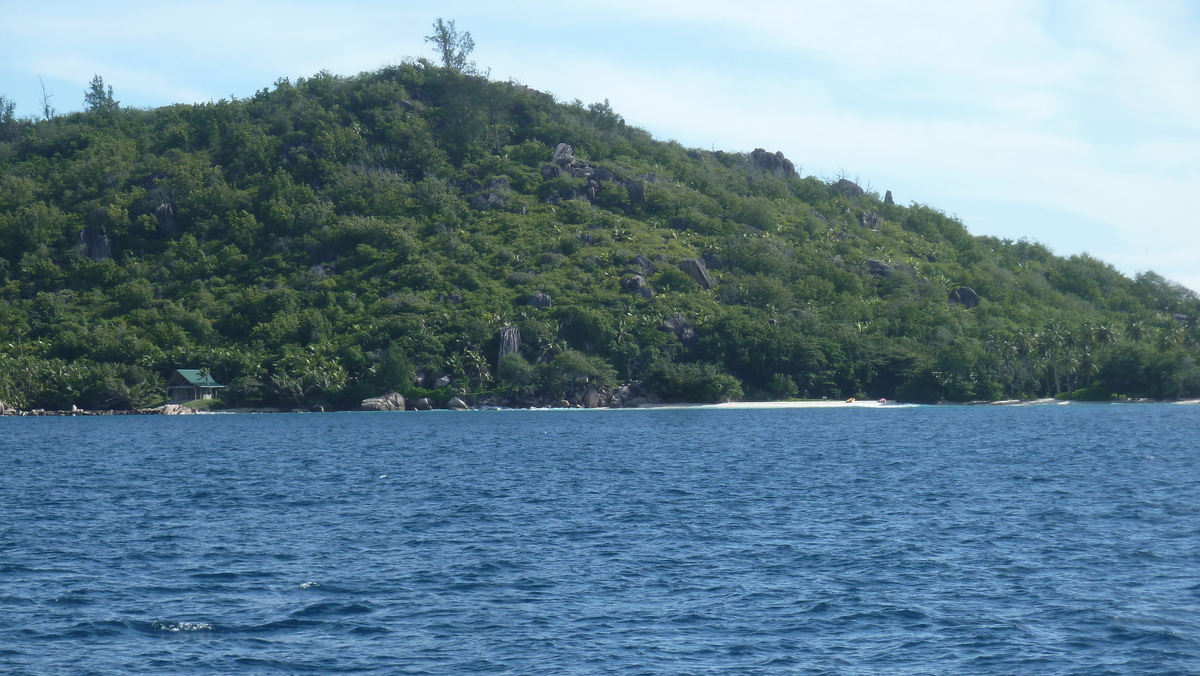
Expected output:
{"points": [[924, 540]]}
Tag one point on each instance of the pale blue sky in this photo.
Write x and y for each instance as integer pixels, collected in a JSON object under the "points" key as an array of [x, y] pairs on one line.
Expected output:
{"points": [[1074, 123]]}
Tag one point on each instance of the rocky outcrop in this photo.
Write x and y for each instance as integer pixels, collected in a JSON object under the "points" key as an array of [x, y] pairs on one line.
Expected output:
{"points": [[773, 162], [695, 269], [869, 220], [682, 328], [887, 198], [510, 342], [634, 283], [456, 404], [636, 190], [563, 156], [879, 268], [591, 399], [94, 244], [848, 188], [442, 381], [964, 296], [637, 284], [644, 266], [388, 402], [550, 172], [422, 404], [174, 409], [540, 299]]}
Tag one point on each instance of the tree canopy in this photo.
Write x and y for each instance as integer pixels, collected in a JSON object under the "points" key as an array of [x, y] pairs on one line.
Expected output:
{"points": [[335, 238], [451, 46]]}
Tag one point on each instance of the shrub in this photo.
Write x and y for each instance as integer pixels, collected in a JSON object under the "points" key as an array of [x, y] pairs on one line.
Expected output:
{"points": [[693, 382]]}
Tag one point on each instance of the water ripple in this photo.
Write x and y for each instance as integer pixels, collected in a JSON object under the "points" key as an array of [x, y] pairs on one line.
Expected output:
{"points": [[1031, 540]]}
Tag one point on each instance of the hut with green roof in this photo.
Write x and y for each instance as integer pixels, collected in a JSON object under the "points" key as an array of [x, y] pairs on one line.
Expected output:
{"points": [[191, 384]]}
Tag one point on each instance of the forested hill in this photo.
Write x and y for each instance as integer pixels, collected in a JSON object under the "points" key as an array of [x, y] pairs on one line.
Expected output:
{"points": [[335, 238]]}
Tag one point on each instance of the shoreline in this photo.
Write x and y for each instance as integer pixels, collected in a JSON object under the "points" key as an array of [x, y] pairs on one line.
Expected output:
{"points": [[173, 409]]}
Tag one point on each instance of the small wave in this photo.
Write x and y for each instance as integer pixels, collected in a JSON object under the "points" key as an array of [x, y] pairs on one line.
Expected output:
{"points": [[173, 627], [327, 608], [71, 600]]}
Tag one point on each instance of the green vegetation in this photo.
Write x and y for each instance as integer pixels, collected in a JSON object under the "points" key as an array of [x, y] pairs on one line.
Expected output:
{"points": [[327, 239]]}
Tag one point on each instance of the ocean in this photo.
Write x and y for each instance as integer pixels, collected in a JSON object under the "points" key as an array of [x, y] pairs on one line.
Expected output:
{"points": [[1056, 539]]}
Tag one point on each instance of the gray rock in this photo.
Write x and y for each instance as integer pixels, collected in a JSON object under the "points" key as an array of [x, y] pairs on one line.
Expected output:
{"points": [[591, 399], [674, 324], [646, 292], [457, 404], [869, 220], [635, 283], [550, 171], [560, 403], [848, 188], [965, 296], [94, 244], [636, 401], [682, 328], [879, 267], [696, 270], [773, 162], [388, 402], [637, 191], [603, 174], [562, 155], [442, 381], [540, 299], [422, 404], [647, 268], [510, 341], [175, 409], [887, 198]]}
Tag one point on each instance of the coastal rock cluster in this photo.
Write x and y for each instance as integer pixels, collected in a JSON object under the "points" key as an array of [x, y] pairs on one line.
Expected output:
{"points": [[388, 402], [630, 395]]}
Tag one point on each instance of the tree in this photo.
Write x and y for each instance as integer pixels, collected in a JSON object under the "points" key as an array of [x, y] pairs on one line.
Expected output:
{"points": [[452, 47], [96, 98], [8, 119], [47, 109]]}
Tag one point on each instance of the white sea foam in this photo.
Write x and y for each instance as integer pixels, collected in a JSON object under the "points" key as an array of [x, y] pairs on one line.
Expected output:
{"points": [[182, 626]]}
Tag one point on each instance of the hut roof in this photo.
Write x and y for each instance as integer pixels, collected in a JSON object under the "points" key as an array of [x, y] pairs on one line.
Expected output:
{"points": [[198, 378]]}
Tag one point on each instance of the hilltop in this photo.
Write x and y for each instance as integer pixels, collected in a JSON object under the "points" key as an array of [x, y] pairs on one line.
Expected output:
{"points": [[428, 231]]}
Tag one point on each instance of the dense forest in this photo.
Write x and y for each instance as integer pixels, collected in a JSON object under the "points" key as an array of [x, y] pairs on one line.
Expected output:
{"points": [[425, 230]]}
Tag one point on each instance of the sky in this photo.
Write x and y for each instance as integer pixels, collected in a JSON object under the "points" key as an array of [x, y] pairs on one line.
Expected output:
{"points": [[1072, 123]]}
